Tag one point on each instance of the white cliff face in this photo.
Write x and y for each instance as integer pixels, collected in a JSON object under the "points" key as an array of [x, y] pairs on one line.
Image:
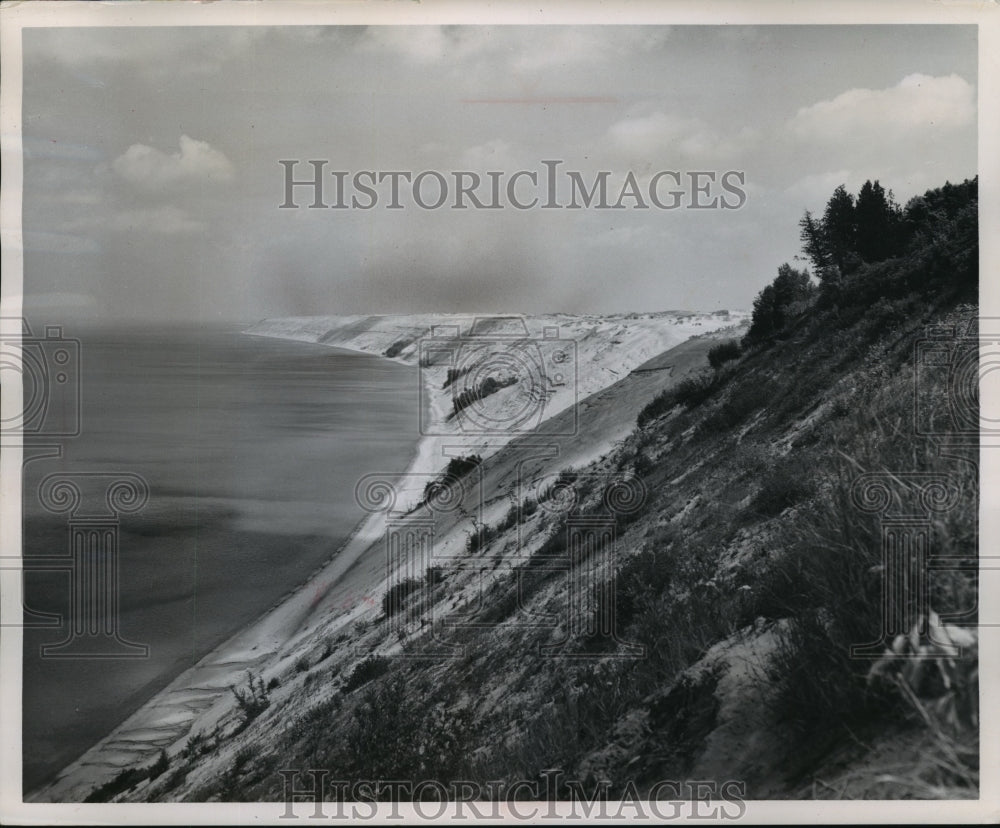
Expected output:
{"points": [[561, 364]]}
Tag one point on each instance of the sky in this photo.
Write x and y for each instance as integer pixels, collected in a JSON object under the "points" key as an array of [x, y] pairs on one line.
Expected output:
{"points": [[152, 180]]}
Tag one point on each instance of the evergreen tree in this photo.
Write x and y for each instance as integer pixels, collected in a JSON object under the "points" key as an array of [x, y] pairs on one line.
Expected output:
{"points": [[814, 243], [773, 305], [877, 220], [840, 228]]}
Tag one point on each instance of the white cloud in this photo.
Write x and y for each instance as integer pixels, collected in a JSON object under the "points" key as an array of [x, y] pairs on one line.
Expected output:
{"points": [[150, 169], [523, 49], [658, 135], [918, 103], [419, 44]]}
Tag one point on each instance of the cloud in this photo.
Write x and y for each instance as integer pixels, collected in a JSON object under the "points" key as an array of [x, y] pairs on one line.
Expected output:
{"points": [[523, 49], [564, 46], [917, 104], [147, 168], [152, 51], [165, 220], [421, 44], [659, 135]]}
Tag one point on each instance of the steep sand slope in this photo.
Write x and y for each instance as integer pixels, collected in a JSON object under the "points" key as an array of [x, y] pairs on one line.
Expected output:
{"points": [[580, 420]]}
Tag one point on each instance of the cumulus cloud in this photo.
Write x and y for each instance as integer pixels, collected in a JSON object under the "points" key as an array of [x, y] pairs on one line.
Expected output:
{"points": [[422, 44], [197, 162], [558, 46], [918, 103]]}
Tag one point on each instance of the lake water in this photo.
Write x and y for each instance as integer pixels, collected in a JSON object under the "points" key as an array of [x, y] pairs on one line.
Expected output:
{"points": [[251, 448]]}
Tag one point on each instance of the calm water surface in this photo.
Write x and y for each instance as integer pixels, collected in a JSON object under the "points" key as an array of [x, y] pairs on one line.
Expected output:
{"points": [[251, 448]]}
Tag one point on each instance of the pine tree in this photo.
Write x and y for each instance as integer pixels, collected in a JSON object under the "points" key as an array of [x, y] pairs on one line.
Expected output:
{"points": [[840, 228], [877, 219], [814, 244]]}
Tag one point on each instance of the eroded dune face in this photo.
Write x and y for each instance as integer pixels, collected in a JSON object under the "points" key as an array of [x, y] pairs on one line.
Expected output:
{"points": [[546, 370]]}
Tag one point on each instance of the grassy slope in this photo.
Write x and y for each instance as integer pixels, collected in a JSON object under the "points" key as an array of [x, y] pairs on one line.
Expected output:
{"points": [[747, 575]]}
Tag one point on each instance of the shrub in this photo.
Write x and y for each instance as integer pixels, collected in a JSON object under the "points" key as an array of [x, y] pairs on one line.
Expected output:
{"points": [[723, 352], [772, 309], [689, 392], [396, 348], [693, 391], [243, 756], [454, 374], [518, 514], [643, 465], [395, 731], [466, 397], [643, 578], [657, 407], [479, 537], [192, 747], [160, 765], [396, 595], [302, 665], [253, 700], [365, 671], [742, 402], [128, 779], [123, 781], [457, 468], [785, 485], [273, 684], [461, 466]]}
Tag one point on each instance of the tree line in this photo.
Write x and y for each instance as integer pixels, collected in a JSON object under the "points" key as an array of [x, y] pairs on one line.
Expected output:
{"points": [[854, 245]]}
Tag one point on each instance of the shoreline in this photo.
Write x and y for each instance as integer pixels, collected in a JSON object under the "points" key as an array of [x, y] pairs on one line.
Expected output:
{"points": [[345, 586], [197, 689]]}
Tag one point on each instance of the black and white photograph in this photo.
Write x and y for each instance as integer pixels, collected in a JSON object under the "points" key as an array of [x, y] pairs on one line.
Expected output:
{"points": [[415, 412]]}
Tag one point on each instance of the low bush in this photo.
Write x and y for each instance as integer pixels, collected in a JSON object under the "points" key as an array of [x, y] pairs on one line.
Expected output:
{"points": [[457, 468], [395, 596], [689, 392], [479, 538], [252, 701], [742, 402], [396, 348], [784, 485], [365, 671], [128, 779], [468, 396], [724, 352]]}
